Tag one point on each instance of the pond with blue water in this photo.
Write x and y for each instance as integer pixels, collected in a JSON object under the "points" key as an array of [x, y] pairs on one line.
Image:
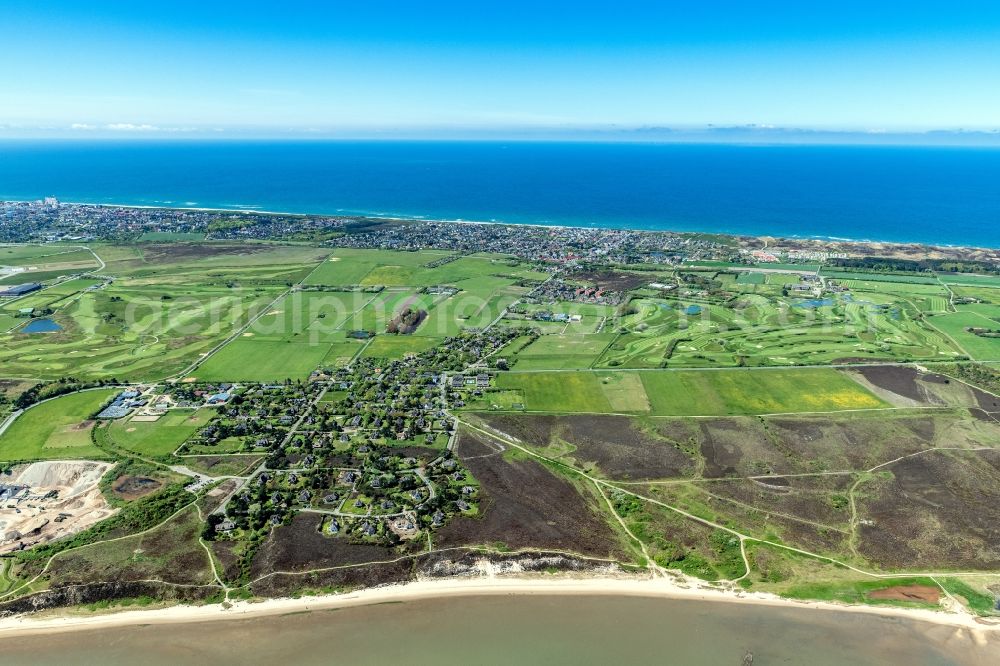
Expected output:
{"points": [[41, 326]]}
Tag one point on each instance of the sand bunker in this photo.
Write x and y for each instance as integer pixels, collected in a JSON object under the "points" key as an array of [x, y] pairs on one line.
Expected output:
{"points": [[45, 501]]}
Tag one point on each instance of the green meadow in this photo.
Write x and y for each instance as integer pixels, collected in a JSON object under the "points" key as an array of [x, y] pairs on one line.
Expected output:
{"points": [[247, 359], [955, 326], [161, 437], [54, 429]]}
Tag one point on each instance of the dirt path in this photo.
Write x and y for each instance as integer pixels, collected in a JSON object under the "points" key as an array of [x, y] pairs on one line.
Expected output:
{"points": [[607, 484]]}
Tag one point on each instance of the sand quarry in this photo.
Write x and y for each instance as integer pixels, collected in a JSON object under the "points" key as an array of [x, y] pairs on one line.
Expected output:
{"points": [[55, 499]]}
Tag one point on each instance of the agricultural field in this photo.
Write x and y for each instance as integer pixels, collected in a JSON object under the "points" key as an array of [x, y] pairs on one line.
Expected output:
{"points": [[690, 392], [54, 429]]}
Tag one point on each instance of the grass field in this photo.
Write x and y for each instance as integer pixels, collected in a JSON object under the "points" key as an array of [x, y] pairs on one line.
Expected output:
{"points": [[970, 280], [32, 276], [247, 359], [52, 297], [169, 552], [563, 351], [23, 255], [160, 437], [340, 353], [308, 316], [348, 266], [878, 277], [221, 264], [485, 284], [750, 278], [982, 294], [978, 347], [57, 428], [690, 392], [773, 266], [9, 321], [395, 347]]}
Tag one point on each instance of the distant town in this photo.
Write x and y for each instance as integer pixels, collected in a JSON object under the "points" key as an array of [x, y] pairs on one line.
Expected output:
{"points": [[49, 220]]}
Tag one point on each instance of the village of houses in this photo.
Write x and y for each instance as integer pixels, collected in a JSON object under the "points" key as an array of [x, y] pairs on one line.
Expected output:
{"points": [[368, 448]]}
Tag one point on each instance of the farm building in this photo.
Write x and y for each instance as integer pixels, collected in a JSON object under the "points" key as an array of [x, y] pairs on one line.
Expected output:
{"points": [[20, 289], [217, 399], [114, 411], [122, 405]]}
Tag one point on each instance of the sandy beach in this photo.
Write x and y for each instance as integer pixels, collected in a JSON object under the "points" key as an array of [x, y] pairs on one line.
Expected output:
{"points": [[979, 630]]}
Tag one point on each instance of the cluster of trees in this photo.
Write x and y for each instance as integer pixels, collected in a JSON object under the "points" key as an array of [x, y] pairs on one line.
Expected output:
{"points": [[407, 321], [47, 390], [980, 375], [984, 332], [890, 265]]}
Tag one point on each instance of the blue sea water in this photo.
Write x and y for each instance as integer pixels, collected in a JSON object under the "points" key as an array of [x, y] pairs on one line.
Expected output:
{"points": [[920, 194]]}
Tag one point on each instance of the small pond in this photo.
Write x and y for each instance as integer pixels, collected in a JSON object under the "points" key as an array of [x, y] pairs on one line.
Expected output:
{"points": [[41, 326], [815, 303]]}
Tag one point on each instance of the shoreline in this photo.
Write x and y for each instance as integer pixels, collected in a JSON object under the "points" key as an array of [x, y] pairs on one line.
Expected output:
{"points": [[659, 588], [541, 225]]}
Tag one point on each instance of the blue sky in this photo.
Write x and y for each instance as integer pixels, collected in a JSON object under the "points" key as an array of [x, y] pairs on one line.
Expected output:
{"points": [[367, 68]]}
